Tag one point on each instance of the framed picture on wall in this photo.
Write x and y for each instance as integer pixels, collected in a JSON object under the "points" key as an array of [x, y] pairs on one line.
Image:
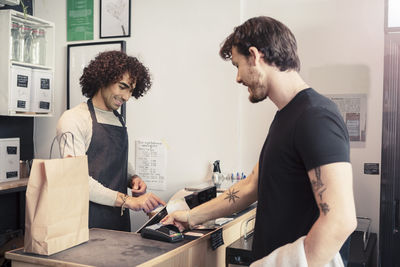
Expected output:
{"points": [[78, 57], [115, 18]]}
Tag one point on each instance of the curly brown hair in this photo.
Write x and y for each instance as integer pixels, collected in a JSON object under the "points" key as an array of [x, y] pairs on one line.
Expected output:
{"points": [[269, 36], [108, 68]]}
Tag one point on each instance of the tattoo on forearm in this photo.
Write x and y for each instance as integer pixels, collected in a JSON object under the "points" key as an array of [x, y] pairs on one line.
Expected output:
{"points": [[231, 195], [320, 193], [324, 208], [319, 188]]}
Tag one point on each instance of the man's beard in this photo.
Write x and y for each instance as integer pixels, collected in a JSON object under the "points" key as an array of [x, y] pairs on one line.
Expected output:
{"points": [[254, 98], [258, 87]]}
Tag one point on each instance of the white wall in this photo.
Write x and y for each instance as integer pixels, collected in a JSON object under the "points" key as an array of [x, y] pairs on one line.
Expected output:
{"points": [[193, 102], [341, 51], [195, 105]]}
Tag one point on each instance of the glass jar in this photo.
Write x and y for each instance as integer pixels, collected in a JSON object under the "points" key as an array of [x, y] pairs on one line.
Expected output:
{"points": [[21, 43], [43, 43], [14, 44], [35, 55], [28, 44], [39, 46]]}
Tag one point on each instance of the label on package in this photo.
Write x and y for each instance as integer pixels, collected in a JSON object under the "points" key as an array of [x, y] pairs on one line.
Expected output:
{"points": [[45, 84], [44, 105], [21, 104], [22, 80], [12, 150], [11, 174]]}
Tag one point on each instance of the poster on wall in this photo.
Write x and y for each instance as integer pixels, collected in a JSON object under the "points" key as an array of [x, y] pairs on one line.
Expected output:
{"points": [[79, 20], [353, 108], [115, 18], [151, 163]]}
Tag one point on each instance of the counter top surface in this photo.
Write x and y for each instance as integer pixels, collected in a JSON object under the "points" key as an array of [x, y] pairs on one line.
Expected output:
{"points": [[108, 248], [111, 248]]}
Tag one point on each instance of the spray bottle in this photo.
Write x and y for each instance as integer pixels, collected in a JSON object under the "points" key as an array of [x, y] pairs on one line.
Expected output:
{"points": [[217, 176]]}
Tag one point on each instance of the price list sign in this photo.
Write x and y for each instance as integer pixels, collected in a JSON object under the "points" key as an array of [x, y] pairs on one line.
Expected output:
{"points": [[151, 163]]}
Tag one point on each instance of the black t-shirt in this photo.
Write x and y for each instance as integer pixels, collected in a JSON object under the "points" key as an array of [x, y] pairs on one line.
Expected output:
{"points": [[308, 132]]}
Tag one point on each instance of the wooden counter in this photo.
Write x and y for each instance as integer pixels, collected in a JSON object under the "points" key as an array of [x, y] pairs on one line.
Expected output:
{"points": [[115, 248], [13, 186]]}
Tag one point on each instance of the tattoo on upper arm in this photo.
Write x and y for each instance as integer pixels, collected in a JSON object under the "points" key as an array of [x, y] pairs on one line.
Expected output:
{"points": [[231, 195], [319, 188], [317, 184]]}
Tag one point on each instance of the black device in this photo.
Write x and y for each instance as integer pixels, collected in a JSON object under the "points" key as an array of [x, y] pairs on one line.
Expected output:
{"points": [[200, 196], [156, 218], [159, 231]]}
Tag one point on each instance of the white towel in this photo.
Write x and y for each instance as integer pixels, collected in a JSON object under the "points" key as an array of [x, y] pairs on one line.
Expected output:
{"points": [[292, 255]]}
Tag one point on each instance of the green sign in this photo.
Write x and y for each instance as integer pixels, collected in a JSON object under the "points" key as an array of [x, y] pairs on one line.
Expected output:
{"points": [[79, 20]]}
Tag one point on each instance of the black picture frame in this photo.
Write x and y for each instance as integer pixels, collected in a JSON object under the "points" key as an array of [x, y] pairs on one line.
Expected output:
{"points": [[78, 56], [115, 18]]}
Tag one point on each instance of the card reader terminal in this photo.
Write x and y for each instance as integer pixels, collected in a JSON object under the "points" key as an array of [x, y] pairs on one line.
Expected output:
{"points": [[159, 231]]}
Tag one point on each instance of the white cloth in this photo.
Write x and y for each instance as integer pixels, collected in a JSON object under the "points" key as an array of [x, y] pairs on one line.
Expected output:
{"points": [[292, 255], [79, 122]]}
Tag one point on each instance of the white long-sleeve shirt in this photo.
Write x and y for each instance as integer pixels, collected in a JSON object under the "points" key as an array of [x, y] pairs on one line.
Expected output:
{"points": [[79, 122]]}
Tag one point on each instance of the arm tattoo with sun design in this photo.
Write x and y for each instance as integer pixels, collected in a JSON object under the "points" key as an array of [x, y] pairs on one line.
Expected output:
{"points": [[231, 195], [319, 188]]}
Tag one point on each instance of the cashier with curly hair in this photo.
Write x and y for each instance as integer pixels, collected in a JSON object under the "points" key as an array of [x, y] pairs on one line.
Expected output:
{"points": [[99, 131]]}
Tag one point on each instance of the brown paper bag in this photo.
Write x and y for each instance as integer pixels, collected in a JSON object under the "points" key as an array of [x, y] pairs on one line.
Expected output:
{"points": [[57, 205]]}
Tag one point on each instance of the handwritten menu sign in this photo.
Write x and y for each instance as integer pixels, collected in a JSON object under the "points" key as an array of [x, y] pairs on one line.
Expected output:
{"points": [[151, 163]]}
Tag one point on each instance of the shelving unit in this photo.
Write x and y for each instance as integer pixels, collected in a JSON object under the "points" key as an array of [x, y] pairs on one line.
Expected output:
{"points": [[6, 18]]}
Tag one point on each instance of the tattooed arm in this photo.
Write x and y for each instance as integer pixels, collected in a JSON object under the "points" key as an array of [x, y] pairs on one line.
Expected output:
{"points": [[236, 198], [332, 185]]}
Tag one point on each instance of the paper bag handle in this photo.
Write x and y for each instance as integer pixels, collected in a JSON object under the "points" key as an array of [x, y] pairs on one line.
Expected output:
{"points": [[65, 143]]}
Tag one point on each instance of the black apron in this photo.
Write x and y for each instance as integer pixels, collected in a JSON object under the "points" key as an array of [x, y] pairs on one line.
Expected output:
{"points": [[108, 163]]}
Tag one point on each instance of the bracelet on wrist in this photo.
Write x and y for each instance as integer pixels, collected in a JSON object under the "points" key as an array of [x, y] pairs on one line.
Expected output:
{"points": [[124, 198]]}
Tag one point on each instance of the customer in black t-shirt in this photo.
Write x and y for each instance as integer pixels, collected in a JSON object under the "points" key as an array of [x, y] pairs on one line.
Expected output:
{"points": [[303, 180]]}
